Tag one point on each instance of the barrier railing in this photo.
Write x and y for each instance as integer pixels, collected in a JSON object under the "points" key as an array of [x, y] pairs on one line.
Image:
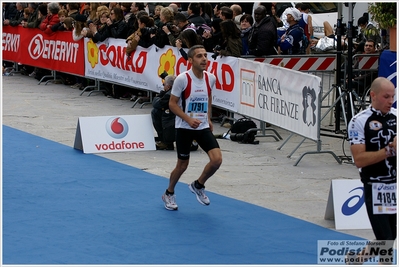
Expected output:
{"points": [[322, 66], [287, 97]]}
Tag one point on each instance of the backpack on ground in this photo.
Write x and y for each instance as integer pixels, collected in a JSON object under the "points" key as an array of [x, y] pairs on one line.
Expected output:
{"points": [[240, 131]]}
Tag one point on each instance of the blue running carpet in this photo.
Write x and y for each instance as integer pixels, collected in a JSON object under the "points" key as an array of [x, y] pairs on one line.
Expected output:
{"points": [[61, 206]]}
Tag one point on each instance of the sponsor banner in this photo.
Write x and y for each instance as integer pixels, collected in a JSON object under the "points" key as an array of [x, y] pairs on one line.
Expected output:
{"points": [[280, 96], [387, 67], [108, 61], [346, 205], [115, 134], [32, 47], [355, 252]]}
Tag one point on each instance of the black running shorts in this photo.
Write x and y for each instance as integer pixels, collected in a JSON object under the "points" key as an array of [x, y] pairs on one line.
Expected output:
{"points": [[184, 138]]}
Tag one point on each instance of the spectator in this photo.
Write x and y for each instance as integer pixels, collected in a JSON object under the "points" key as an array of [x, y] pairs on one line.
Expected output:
{"points": [[206, 12], [156, 17], [85, 9], [182, 24], [62, 14], [194, 14], [216, 10], [362, 79], [276, 17], [51, 19], [162, 118], [143, 36], [73, 9], [26, 16], [149, 8], [117, 25], [125, 6], [237, 14], [100, 31], [101, 10], [213, 38], [80, 29], [38, 73], [263, 36], [111, 5], [93, 16], [17, 19], [68, 23], [306, 23], [291, 41], [136, 7], [246, 23], [188, 38], [9, 11], [231, 36], [226, 13], [368, 30], [161, 38], [132, 24], [174, 8]]}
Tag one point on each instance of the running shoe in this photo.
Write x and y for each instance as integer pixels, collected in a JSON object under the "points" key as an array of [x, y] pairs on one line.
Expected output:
{"points": [[170, 201], [200, 194]]}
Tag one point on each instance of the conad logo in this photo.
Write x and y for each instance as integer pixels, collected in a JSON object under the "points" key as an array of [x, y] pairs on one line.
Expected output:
{"points": [[117, 127]]}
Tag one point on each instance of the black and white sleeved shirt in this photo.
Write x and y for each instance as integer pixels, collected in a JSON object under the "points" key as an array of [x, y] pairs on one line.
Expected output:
{"points": [[375, 130]]}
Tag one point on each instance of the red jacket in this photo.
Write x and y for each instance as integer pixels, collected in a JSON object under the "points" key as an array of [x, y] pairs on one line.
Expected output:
{"points": [[50, 19]]}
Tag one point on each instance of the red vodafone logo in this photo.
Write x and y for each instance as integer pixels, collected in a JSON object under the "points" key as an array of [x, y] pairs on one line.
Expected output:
{"points": [[117, 127]]}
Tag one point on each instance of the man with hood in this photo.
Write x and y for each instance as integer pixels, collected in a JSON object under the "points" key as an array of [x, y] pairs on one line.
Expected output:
{"points": [[291, 42]]}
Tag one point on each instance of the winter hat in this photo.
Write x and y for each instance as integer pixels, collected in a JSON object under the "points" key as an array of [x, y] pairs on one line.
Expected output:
{"points": [[43, 9], [293, 12], [81, 18]]}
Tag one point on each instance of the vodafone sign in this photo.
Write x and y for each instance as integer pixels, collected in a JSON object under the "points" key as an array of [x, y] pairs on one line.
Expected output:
{"points": [[115, 134]]}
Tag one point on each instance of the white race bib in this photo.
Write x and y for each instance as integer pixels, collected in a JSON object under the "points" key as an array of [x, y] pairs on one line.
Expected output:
{"points": [[384, 198]]}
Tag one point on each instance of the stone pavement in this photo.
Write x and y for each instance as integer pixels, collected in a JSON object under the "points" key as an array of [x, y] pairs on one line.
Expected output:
{"points": [[259, 174]]}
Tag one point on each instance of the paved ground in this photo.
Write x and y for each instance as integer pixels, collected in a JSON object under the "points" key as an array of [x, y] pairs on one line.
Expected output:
{"points": [[259, 174]]}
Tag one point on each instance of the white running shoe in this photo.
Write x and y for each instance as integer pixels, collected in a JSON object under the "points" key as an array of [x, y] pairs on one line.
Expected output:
{"points": [[200, 194], [170, 201]]}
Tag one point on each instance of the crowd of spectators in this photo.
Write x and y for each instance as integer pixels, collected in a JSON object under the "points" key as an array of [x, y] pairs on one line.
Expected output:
{"points": [[224, 30]]}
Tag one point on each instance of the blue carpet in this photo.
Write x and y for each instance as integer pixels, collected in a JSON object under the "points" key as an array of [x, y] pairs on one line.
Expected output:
{"points": [[61, 206]]}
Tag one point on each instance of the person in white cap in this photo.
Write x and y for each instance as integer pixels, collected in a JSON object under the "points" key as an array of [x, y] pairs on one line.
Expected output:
{"points": [[291, 42]]}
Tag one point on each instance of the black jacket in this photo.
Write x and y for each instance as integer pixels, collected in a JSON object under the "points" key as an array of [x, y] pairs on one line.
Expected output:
{"points": [[263, 38]]}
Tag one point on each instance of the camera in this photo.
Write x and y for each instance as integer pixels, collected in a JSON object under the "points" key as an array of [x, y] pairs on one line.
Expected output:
{"points": [[216, 53], [172, 27], [246, 138], [163, 75], [149, 30]]}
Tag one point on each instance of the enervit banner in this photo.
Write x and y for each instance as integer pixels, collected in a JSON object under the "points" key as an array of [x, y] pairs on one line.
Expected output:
{"points": [[108, 61], [33, 47], [283, 97]]}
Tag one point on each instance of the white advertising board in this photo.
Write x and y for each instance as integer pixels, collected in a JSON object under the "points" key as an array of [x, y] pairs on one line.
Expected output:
{"points": [[346, 205], [106, 134]]}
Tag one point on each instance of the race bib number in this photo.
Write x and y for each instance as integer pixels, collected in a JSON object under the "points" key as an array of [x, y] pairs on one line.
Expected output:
{"points": [[384, 198], [198, 109]]}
